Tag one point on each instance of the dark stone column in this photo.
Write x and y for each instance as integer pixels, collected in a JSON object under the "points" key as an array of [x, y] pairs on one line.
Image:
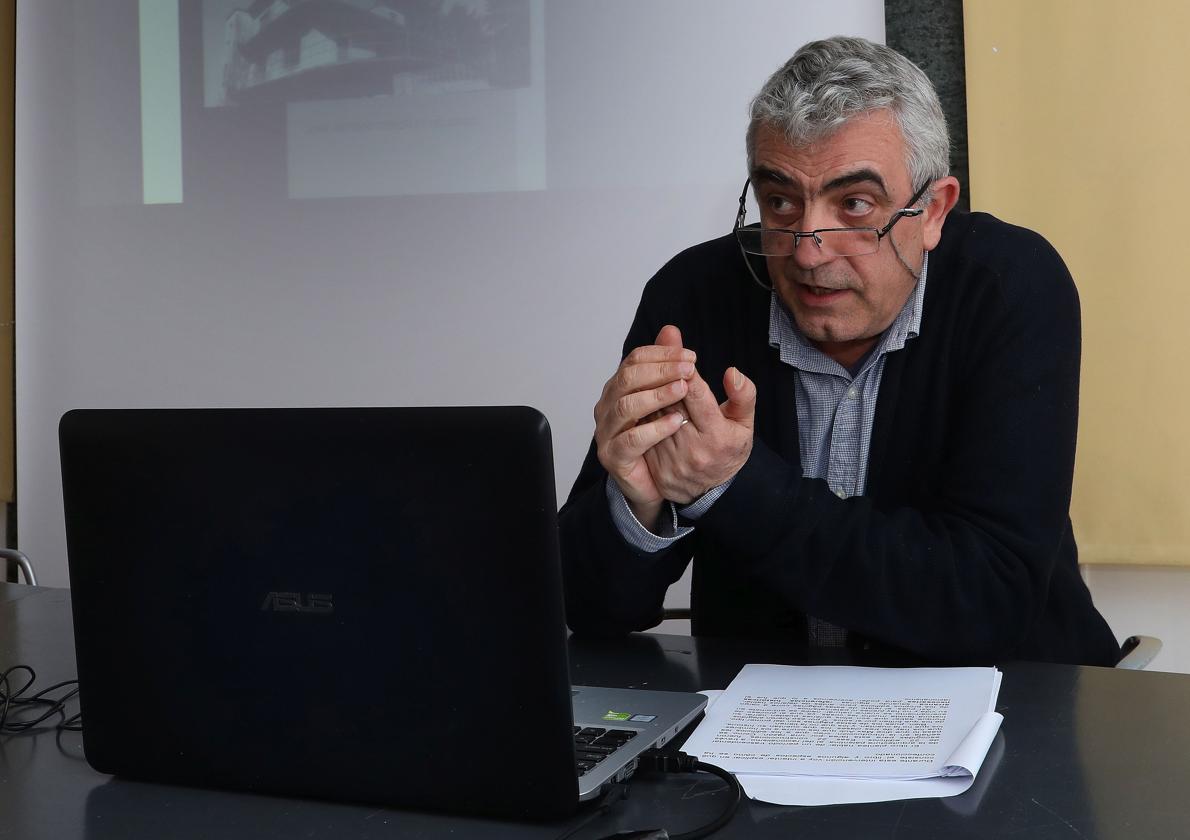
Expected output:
{"points": [[930, 34]]}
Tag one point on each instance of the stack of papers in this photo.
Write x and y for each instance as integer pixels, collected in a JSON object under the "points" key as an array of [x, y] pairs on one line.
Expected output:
{"points": [[814, 735]]}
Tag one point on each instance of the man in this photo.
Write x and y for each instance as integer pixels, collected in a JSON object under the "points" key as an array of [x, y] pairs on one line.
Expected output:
{"points": [[859, 418]]}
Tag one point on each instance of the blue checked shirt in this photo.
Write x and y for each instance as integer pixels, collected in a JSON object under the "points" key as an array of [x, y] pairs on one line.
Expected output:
{"points": [[835, 412]]}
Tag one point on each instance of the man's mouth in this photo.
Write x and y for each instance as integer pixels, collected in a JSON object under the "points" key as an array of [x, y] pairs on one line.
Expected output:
{"points": [[810, 296], [820, 291]]}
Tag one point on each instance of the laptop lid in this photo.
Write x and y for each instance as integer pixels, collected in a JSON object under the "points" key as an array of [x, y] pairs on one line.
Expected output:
{"points": [[355, 604]]}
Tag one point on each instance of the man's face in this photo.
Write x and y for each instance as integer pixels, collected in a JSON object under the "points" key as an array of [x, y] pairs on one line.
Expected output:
{"points": [[854, 178]]}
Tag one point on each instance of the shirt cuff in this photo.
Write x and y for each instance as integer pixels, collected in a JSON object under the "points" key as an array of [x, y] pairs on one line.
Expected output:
{"points": [[703, 503], [637, 535]]}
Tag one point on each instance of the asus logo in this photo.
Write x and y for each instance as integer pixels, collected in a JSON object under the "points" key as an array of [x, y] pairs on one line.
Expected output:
{"points": [[296, 602]]}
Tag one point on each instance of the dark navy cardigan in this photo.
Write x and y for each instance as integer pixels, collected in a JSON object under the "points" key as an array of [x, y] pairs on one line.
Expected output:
{"points": [[960, 549]]}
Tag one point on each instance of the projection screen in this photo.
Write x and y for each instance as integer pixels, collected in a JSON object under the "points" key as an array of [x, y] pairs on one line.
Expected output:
{"points": [[363, 202]]}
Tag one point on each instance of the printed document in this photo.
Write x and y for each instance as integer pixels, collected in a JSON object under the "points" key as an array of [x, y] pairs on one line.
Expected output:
{"points": [[905, 732]]}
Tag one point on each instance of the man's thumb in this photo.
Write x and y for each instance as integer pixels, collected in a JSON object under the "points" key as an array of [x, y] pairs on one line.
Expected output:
{"points": [[741, 397], [670, 336]]}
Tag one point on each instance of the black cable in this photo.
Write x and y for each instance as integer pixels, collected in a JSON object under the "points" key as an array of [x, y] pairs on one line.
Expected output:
{"points": [[14, 702], [724, 818], [614, 794], [679, 762], [655, 761]]}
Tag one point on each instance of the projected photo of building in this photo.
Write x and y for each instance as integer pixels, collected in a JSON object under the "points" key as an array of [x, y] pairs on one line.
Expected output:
{"points": [[380, 97], [282, 50]]}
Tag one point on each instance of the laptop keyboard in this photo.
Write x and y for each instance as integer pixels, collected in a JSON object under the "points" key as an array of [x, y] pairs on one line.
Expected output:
{"points": [[593, 744]]}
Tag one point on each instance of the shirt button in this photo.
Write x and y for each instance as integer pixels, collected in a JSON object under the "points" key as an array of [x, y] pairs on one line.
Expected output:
{"points": [[840, 494], [853, 393]]}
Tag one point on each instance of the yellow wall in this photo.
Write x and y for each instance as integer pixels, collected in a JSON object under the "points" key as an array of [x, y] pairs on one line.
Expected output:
{"points": [[1079, 127]]}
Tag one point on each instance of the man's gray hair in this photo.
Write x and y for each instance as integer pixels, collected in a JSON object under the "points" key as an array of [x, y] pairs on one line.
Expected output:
{"points": [[826, 83]]}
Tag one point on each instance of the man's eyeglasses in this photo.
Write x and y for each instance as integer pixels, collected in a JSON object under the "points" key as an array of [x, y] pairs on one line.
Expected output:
{"points": [[833, 242]]}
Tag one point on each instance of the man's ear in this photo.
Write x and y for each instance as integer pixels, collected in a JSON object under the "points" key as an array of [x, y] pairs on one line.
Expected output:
{"points": [[946, 193]]}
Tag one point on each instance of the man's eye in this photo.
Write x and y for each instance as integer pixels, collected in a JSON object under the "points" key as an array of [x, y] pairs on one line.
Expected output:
{"points": [[781, 205], [856, 206]]}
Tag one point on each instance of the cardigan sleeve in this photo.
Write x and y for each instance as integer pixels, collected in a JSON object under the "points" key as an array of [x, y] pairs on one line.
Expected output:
{"points": [[611, 586]]}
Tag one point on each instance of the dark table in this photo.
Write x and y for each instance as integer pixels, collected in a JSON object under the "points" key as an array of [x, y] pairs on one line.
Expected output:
{"points": [[1083, 752]]}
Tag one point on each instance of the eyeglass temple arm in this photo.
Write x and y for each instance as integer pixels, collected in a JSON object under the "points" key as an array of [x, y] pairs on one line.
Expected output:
{"points": [[739, 216], [897, 216], [910, 211]]}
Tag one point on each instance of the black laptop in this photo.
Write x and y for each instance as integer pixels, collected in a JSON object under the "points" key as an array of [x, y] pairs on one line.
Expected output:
{"points": [[350, 604]]}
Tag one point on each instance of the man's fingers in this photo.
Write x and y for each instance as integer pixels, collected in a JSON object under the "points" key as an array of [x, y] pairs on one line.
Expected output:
{"points": [[628, 446], [701, 403], [741, 397], [632, 378], [639, 405], [659, 353]]}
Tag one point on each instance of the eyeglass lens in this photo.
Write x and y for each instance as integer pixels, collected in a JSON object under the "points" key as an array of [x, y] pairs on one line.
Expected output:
{"points": [[848, 242]]}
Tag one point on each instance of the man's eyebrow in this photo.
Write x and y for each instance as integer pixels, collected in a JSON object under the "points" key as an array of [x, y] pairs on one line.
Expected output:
{"points": [[859, 176], [764, 173]]}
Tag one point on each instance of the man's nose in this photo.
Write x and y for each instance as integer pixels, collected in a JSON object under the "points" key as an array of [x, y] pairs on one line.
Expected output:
{"points": [[811, 252]]}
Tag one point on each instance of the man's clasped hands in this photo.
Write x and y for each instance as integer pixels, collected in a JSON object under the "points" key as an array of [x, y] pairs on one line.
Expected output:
{"points": [[660, 432]]}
